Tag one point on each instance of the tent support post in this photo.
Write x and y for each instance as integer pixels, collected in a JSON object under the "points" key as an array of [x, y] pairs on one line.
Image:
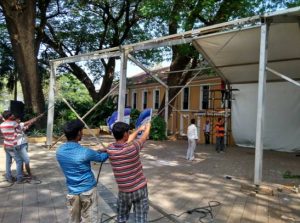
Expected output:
{"points": [[122, 86], [261, 104], [50, 115]]}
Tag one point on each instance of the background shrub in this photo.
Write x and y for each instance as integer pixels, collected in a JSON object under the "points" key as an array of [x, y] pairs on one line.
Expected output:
{"points": [[158, 128]]}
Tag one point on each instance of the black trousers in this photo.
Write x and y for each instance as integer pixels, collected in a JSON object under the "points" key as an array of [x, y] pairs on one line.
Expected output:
{"points": [[207, 137]]}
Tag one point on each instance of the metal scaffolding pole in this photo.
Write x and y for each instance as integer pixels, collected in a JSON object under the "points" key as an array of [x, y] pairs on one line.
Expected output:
{"points": [[51, 102], [122, 85], [167, 109], [283, 76], [261, 104]]}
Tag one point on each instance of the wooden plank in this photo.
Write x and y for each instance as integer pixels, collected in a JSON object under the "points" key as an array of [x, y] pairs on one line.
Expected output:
{"points": [[274, 211], [29, 215], [62, 215], [249, 210], [30, 204], [227, 200], [238, 209], [261, 214], [13, 211], [58, 199], [46, 211], [4, 194], [289, 207]]}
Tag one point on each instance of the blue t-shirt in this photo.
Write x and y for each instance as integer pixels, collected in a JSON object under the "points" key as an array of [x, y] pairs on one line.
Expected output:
{"points": [[75, 162]]}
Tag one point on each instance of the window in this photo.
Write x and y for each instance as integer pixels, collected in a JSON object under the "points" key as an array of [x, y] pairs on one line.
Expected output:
{"points": [[205, 97], [156, 99], [145, 99], [133, 102], [185, 98]]}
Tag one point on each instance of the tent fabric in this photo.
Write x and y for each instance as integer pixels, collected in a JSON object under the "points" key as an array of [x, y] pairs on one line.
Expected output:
{"points": [[236, 53], [282, 119]]}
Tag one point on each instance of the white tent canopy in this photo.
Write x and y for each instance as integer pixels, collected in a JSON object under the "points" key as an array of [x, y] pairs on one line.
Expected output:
{"points": [[237, 50], [236, 53], [243, 55]]}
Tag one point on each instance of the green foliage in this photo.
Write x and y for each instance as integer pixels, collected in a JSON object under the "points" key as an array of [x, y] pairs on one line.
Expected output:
{"points": [[102, 112], [134, 115], [78, 97], [158, 128], [288, 175], [36, 132]]}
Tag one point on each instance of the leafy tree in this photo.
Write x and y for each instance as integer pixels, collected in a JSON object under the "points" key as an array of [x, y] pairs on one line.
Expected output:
{"points": [[94, 25], [65, 28], [20, 22], [184, 15]]}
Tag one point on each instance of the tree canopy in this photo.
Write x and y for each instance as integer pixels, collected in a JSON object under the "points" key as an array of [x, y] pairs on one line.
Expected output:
{"points": [[33, 32]]}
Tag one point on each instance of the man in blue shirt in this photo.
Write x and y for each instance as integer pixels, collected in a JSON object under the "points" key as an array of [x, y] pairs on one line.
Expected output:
{"points": [[75, 162]]}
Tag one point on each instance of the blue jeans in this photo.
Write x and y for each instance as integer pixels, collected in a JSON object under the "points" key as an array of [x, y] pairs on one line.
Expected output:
{"points": [[13, 153], [22, 150]]}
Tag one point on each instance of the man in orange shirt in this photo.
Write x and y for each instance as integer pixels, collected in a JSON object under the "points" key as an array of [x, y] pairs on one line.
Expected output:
{"points": [[220, 135]]}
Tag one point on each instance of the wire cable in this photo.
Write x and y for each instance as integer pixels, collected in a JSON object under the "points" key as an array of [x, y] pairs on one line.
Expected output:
{"points": [[204, 212], [109, 218]]}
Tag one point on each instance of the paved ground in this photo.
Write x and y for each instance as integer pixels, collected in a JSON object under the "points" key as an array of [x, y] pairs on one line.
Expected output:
{"points": [[175, 186]]}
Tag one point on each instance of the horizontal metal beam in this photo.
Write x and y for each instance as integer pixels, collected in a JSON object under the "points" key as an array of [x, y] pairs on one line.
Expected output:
{"points": [[86, 57], [175, 39], [283, 76]]}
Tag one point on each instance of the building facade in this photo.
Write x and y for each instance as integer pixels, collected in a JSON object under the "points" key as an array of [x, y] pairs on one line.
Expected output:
{"points": [[201, 100]]}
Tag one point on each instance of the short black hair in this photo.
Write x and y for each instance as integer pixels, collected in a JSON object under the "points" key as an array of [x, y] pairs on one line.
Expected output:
{"points": [[6, 114], [119, 129], [193, 121], [72, 128], [219, 119]]}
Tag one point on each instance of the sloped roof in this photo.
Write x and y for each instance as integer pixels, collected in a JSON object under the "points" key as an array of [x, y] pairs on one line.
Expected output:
{"points": [[162, 74]]}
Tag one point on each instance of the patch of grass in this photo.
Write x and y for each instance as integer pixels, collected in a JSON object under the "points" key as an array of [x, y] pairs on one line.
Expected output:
{"points": [[288, 175]]}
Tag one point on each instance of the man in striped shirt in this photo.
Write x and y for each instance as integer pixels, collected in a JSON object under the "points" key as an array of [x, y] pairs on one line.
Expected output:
{"points": [[9, 129], [124, 156]]}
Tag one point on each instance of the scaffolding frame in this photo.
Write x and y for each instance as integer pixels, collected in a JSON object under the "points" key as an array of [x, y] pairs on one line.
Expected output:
{"points": [[187, 37]]}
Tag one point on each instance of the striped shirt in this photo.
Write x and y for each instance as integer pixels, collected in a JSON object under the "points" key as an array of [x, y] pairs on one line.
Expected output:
{"points": [[9, 130], [127, 166], [220, 130]]}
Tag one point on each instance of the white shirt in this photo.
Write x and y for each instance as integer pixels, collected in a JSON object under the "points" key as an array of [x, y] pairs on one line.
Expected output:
{"points": [[206, 128], [192, 132], [21, 136]]}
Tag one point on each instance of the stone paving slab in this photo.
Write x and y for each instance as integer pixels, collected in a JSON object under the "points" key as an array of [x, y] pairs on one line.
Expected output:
{"points": [[175, 186]]}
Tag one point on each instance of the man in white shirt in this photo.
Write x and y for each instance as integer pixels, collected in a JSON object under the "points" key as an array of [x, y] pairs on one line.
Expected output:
{"points": [[192, 135]]}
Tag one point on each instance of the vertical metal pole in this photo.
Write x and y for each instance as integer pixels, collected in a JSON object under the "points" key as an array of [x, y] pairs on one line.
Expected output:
{"points": [[226, 119], [261, 104], [167, 109], [51, 103], [122, 86]]}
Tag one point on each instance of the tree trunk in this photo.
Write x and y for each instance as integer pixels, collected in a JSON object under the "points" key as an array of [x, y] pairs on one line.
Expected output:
{"points": [[20, 21]]}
